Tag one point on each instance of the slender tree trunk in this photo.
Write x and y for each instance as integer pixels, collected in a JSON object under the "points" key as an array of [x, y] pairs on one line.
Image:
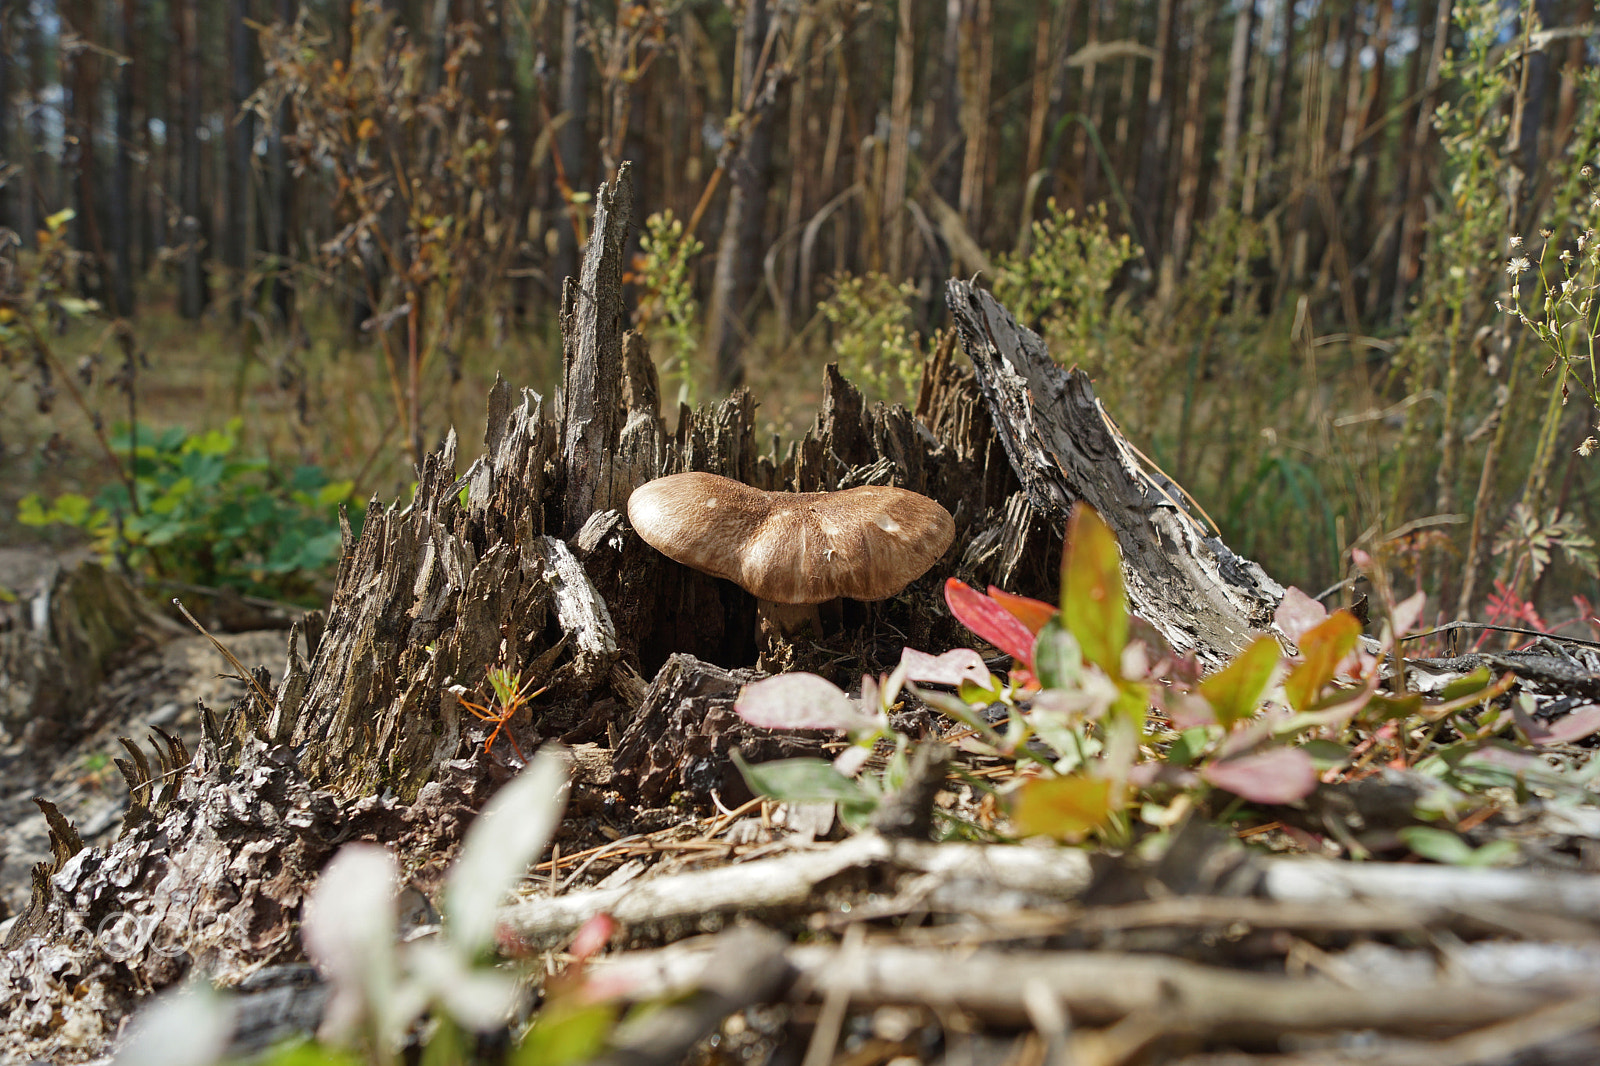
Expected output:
{"points": [[120, 211], [278, 215], [740, 248], [1412, 219], [571, 141], [86, 80], [1233, 108], [1157, 132], [238, 231], [977, 69], [1192, 135], [894, 186], [8, 188], [946, 100], [192, 294]]}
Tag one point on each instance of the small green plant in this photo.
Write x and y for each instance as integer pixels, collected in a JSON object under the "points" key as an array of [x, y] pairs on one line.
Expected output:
{"points": [[1061, 285], [872, 336], [668, 312], [1105, 723], [190, 509]]}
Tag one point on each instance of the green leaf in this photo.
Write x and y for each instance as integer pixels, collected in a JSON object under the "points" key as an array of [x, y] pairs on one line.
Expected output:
{"points": [[31, 512], [76, 306], [803, 781], [1324, 647], [1057, 659], [1235, 691], [1067, 808], [1461, 687], [566, 1033], [1188, 747], [1441, 845], [1094, 602]]}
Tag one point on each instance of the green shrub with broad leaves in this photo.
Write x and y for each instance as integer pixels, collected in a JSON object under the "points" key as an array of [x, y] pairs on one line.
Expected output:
{"points": [[188, 507]]}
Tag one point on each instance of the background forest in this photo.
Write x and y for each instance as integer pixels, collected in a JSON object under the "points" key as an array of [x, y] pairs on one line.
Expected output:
{"points": [[1330, 263]]}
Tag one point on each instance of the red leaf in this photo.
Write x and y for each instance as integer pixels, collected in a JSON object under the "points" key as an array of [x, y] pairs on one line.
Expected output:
{"points": [[1031, 613], [990, 621], [1277, 775]]}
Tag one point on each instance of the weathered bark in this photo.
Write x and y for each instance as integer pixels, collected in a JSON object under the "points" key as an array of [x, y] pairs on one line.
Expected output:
{"points": [[591, 323], [1064, 447], [58, 643]]}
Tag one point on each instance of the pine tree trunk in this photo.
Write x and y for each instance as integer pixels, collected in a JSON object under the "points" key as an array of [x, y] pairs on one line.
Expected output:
{"points": [[740, 248]]}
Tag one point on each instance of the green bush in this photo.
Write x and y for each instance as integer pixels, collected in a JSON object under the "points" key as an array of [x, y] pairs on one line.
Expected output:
{"points": [[190, 509]]}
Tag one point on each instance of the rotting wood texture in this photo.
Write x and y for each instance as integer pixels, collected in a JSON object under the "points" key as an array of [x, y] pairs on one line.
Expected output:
{"points": [[1064, 447]]}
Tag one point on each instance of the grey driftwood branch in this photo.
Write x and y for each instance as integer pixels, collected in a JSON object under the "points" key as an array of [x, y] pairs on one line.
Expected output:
{"points": [[1096, 988]]}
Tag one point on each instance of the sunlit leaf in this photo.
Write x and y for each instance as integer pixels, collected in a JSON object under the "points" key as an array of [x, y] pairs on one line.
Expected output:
{"points": [[1323, 647], [565, 1033], [1094, 603], [1407, 612], [508, 835], [1297, 613], [1276, 775], [1466, 685], [1235, 691], [951, 668], [1188, 747], [802, 781], [1443, 846], [1572, 726], [989, 620], [800, 701], [1057, 659], [1067, 808], [1031, 613], [189, 1025]]}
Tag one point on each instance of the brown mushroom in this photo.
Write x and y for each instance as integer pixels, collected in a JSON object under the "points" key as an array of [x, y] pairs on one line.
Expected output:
{"points": [[795, 548]]}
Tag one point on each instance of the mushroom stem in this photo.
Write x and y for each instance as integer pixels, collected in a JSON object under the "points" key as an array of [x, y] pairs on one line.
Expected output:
{"points": [[786, 620]]}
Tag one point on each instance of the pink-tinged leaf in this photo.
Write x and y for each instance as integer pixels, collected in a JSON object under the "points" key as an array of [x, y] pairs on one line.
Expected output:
{"points": [[951, 668], [592, 936], [989, 620], [1297, 613], [1188, 711], [850, 761], [1277, 775], [1323, 647], [1067, 808], [1094, 602], [1031, 613], [1573, 726], [1407, 613], [1235, 691], [800, 701]]}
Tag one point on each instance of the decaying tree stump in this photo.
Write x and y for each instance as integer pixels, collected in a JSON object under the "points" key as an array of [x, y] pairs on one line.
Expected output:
{"points": [[525, 561]]}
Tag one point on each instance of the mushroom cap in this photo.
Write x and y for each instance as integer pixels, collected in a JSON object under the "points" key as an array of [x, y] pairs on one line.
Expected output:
{"points": [[866, 543]]}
